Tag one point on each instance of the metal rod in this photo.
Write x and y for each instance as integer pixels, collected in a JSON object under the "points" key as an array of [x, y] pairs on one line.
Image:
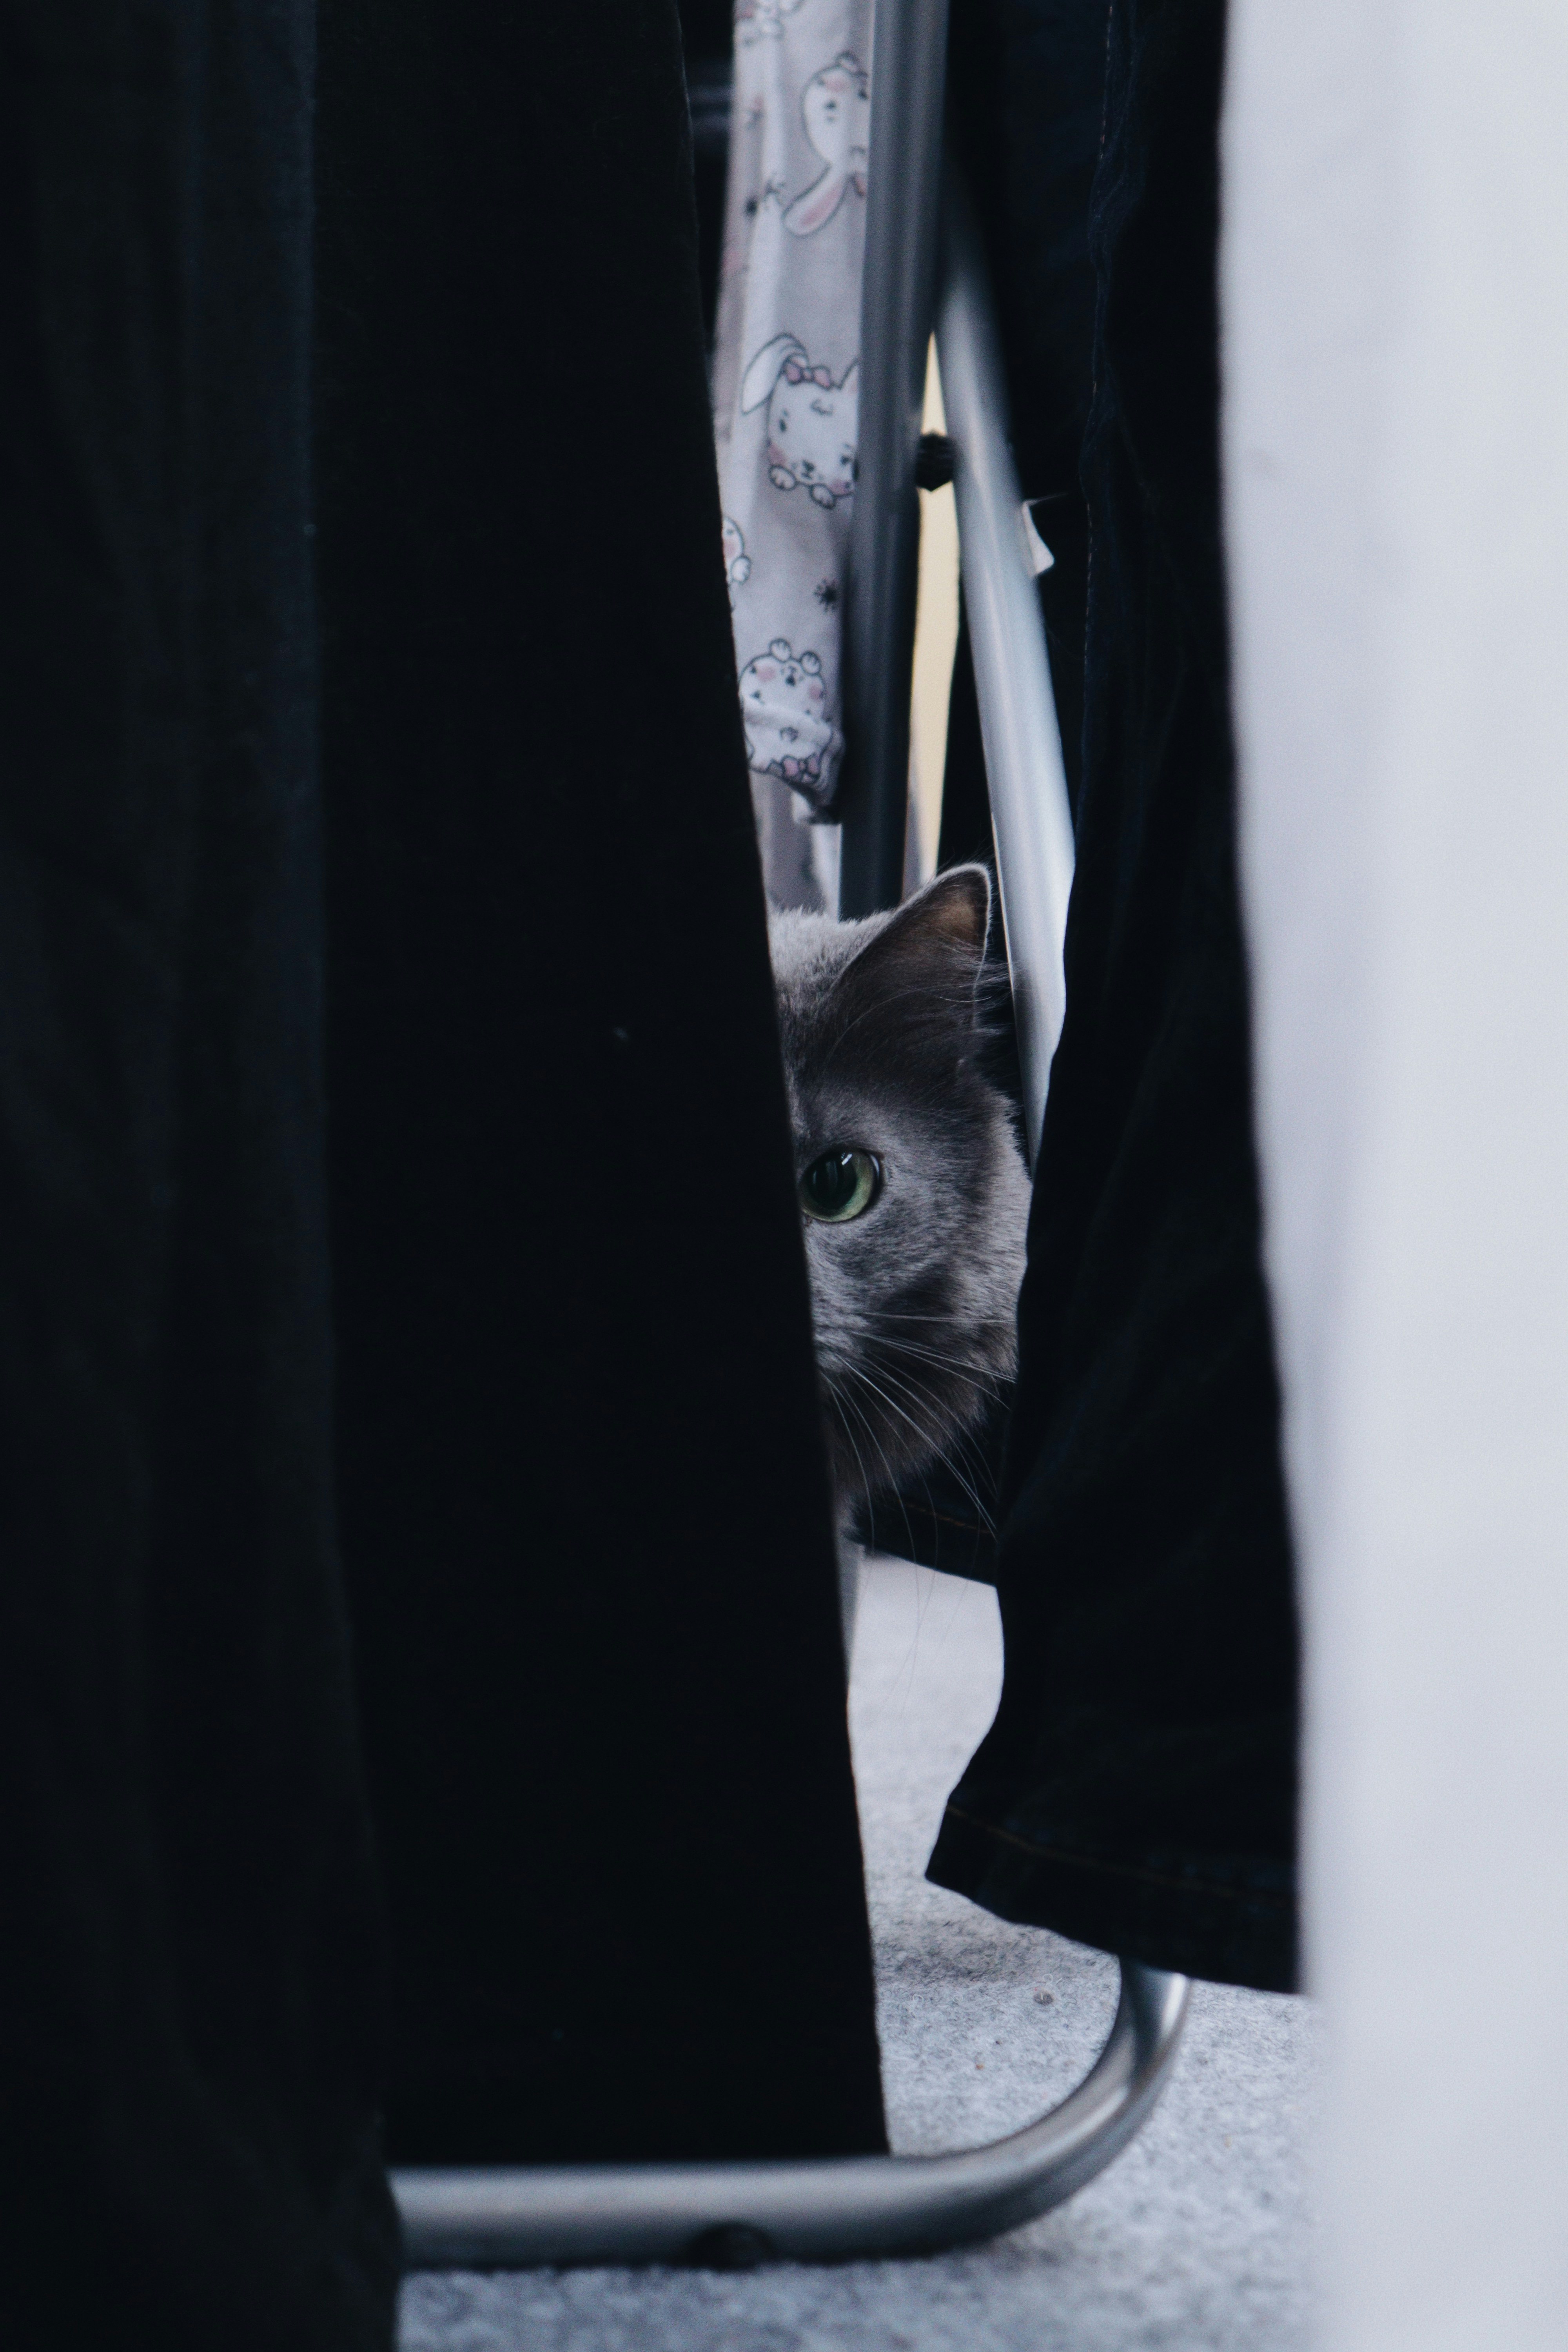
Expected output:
{"points": [[863, 2206], [1030, 814], [903, 182]]}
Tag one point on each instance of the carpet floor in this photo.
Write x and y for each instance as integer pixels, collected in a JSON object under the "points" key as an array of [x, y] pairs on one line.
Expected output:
{"points": [[1199, 2237]]}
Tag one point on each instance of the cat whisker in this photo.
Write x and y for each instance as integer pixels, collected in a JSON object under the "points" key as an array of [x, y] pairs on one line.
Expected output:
{"points": [[976, 1374], [971, 1331], [931, 1327], [926, 1315], [958, 1436], [942, 1459], [927, 1435], [881, 1344], [895, 1489], [989, 1383], [939, 1417], [907, 1387], [945, 1462], [892, 1487], [973, 1454], [849, 1439]]}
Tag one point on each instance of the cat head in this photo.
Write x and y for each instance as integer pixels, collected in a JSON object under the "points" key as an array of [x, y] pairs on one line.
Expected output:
{"points": [[913, 1193]]}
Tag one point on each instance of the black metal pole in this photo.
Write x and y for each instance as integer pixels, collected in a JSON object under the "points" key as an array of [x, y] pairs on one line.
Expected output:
{"points": [[908, 73]]}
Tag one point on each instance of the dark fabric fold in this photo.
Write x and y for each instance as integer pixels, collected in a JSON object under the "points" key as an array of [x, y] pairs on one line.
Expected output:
{"points": [[1138, 1789], [190, 1967], [584, 1490]]}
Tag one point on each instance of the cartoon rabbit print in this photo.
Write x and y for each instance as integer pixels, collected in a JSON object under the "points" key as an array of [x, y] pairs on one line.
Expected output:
{"points": [[837, 108], [788, 732], [759, 20], [737, 562], [813, 422]]}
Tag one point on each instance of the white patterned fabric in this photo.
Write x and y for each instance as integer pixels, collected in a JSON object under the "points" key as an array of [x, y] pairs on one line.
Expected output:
{"points": [[785, 384]]}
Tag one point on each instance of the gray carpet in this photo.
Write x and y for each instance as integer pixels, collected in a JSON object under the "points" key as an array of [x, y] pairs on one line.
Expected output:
{"points": [[1199, 2237]]}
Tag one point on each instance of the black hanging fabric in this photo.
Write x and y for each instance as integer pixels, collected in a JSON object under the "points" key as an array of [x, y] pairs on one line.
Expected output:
{"points": [[1026, 114], [190, 1972], [585, 1507], [1138, 1789]]}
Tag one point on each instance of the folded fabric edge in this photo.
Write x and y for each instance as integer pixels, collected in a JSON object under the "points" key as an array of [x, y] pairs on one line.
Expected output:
{"points": [[1181, 1917]]}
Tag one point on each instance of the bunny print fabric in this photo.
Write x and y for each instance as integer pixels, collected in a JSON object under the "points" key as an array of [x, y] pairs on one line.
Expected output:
{"points": [[786, 392]]}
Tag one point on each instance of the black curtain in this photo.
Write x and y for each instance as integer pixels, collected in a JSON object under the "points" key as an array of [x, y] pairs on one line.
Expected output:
{"points": [[190, 1979], [584, 1508], [1138, 1790]]}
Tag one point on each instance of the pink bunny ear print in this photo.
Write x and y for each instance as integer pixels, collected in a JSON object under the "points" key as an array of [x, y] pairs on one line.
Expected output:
{"points": [[821, 201], [834, 107], [765, 369]]}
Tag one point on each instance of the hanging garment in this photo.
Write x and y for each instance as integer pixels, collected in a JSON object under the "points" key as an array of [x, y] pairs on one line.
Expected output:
{"points": [[1026, 112], [191, 1979], [785, 400], [584, 1501], [1396, 374], [1138, 1789]]}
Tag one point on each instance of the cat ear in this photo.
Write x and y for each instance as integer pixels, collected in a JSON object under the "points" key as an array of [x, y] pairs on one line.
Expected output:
{"points": [[952, 912], [922, 969]]}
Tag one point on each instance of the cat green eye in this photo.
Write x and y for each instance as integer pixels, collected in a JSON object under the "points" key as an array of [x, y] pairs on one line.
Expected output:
{"points": [[841, 1184]]}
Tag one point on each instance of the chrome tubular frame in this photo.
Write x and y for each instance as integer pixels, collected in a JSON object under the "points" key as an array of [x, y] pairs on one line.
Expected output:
{"points": [[832, 2210], [1029, 812]]}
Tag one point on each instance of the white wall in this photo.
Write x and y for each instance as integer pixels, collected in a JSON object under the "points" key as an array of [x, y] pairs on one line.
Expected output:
{"points": [[1396, 287]]}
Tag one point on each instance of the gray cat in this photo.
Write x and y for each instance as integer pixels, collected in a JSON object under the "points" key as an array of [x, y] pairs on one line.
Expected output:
{"points": [[912, 1184]]}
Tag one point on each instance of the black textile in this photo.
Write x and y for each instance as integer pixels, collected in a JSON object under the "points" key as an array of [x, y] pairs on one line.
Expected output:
{"points": [[1026, 106], [706, 31], [189, 1971], [1025, 101], [1138, 1789], [584, 1499]]}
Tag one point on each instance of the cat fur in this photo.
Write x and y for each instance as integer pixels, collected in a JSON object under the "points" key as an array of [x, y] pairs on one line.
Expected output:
{"points": [[885, 1024]]}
